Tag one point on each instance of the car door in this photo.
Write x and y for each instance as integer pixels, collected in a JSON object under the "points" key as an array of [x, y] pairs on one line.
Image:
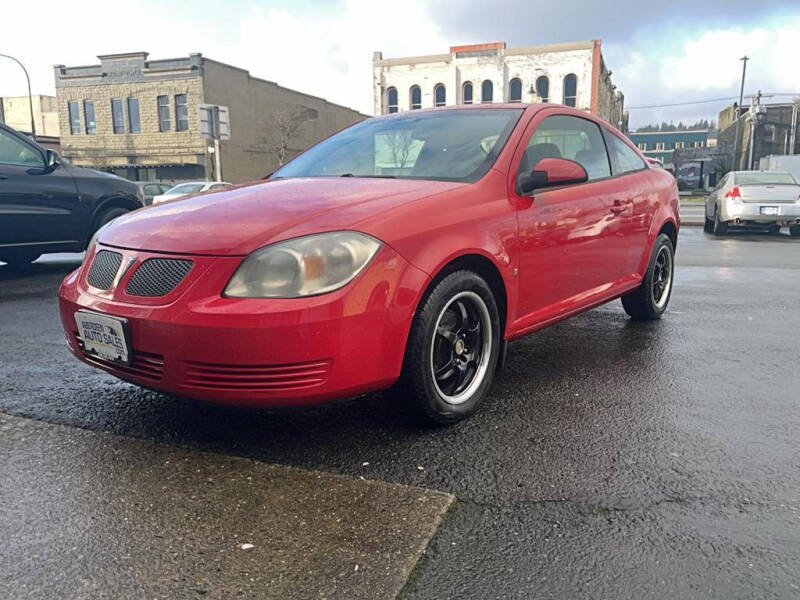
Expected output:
{"points": [[568, 242], [37, 203], [631, 202]]}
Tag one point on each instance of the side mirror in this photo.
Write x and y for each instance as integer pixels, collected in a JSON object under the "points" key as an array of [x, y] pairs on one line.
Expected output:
{"points": [[552, 172], [51, 159]]}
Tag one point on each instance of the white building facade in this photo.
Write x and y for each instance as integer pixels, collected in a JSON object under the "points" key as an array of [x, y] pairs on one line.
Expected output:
{"points": [[573, 74]]}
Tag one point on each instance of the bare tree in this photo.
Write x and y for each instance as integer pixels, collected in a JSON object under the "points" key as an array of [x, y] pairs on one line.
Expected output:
{"points": [[285, 126], [400, 144]]}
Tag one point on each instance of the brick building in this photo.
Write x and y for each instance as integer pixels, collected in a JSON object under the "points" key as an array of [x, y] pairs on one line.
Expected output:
{"points": [[764, 129], [574, 74], [139, 118]]}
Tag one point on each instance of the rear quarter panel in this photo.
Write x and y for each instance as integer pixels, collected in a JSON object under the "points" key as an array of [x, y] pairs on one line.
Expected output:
{"points": [[663, 194]]}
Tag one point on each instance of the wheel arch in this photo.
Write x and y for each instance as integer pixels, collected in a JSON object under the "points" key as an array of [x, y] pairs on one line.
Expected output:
{"points": [[483, 266], [117, 201], [671, 229]]}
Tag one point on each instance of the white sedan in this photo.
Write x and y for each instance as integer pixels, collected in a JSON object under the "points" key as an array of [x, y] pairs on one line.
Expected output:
{"points": [[189, 187], [754, 199]]}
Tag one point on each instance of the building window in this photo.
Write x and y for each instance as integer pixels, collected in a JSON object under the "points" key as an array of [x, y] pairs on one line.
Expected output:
{"points": [[163, 113], [515, 90], [88, 117], [391, 100], [416, 97], [571, 90], [439, 95], [487, 90], [134, 121], [181, 113], [543, 88], [117, 116], [74, 118], [679, 145], [466, 93], [659, 145], [642, 146], [697, 144]]}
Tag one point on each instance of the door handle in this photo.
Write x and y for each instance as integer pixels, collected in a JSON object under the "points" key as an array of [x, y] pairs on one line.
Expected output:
{"points": [[619, 207]]}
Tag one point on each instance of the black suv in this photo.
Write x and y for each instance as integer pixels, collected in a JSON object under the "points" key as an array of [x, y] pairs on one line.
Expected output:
{"points": [[47, 205]]}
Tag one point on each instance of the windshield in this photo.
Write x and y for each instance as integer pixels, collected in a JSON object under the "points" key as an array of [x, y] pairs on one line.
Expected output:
{"points": [[186, 188], [766, 178], [453, 145]]}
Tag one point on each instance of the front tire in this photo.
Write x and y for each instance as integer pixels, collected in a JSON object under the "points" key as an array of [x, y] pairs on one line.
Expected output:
{"points": [[794, 230], [452, 350], [649, 301]]}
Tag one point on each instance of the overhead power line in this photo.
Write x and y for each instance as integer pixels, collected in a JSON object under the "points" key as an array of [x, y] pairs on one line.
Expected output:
{"points": [[711, 100]]}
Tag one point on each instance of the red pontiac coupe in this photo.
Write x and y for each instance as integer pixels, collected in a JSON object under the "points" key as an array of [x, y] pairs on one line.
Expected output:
{"points": [[407, 249]]}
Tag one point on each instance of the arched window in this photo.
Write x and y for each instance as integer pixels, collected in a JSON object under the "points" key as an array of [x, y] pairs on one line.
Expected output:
{"points": [[515, 90], [439, 95], [416, 97], [571, 90], [466, 93], [391, 100], [543, 88], [486, 91]]}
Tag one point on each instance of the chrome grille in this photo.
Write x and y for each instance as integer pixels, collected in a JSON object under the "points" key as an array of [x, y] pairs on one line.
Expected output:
{"points": [[104, 269], [158, 276]]}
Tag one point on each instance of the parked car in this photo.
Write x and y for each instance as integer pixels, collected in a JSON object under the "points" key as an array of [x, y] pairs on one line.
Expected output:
{"points": [[47, 205], [407, 248], [754, 199], [189, 187], [150, 189]]}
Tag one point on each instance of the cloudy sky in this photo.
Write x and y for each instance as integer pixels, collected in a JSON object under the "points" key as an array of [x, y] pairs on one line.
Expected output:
{"points": [[660, 52]]}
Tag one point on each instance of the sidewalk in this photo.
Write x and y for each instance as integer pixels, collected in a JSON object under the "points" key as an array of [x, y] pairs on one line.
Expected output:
{"points": [[94, 515]]}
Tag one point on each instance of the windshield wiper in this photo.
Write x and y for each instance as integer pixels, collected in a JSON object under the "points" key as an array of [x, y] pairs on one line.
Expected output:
{"points": [[369, 176]]}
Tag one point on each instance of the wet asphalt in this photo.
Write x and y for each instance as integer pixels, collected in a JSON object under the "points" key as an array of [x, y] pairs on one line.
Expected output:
{"points": [[613, 459]]}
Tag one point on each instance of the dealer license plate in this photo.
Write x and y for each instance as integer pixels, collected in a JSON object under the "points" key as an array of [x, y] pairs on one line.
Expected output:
{"points": [[104, 336], [769, 210]]}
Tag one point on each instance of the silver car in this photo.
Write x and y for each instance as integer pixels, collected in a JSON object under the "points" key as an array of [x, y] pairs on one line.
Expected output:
{"points": [[189, 187], [768, 199]]}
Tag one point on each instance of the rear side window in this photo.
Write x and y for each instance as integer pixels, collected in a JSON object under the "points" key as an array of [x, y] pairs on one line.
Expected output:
{"points": [[565, 136], [623, 158]]}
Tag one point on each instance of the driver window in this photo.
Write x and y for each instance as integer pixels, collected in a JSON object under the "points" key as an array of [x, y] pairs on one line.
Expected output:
{"points": [[565, 136], [16, 152]]}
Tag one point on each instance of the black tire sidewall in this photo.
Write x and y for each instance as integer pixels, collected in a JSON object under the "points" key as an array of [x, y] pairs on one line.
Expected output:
{"points": [[108, 215], [419, 372], [661, 241]]}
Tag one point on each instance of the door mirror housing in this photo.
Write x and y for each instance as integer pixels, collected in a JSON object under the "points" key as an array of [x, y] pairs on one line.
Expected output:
{"points": [[552, 172], [51, 159]]}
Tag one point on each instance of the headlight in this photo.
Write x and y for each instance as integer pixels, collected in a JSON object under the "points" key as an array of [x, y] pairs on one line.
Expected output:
{"points": [[305, 266], [92, 244]]}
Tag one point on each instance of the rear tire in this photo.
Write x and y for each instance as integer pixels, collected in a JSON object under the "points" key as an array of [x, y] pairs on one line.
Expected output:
{"points": [[708, 224], [794, 230], [452, 350], [19, 258], [649, 301], [720, 227]]}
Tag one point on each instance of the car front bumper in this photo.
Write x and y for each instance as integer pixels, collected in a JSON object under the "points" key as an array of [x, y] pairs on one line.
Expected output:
{"points": [[258, 352], [751, 213]]}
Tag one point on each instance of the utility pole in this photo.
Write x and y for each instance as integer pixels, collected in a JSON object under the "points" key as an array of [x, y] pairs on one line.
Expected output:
{"points": [[30, 97], [736, 163]]}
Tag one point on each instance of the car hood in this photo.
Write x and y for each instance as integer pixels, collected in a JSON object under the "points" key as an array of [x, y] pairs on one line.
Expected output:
{"points": [[238, 220]]}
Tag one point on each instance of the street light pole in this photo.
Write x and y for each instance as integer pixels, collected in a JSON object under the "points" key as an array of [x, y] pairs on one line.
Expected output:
{"points": [[744, 60], [30, 97]]}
